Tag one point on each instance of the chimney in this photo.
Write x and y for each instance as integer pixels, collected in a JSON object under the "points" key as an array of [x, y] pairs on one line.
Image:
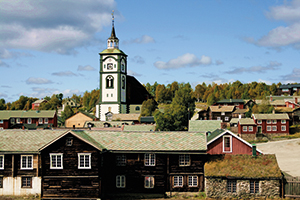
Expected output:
{"points": [[296, 100], [271, 98], [254, 150]]}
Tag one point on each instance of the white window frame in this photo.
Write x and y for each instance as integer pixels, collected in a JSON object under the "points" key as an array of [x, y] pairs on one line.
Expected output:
{"points": [[244, 128], [177, 181], [121, 160], [149, 182], [274, 128], [12, 120], [46, 120], [218, 118], [149, 159], [191, 181], [18, 121], [40, 120], [84, 160], [274, 121], [250, 128], [269, 128], [226, 119], [184, 160], [1, 121], [230, 140], [269, 121], [283, 121], [29, 121], [51, 164], [120, 181], [222, 113], [28, 163], [1, 161], [283, 128], [259, 121]]}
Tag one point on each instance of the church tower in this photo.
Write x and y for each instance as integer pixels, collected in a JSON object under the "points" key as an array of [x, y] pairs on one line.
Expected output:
{"points": [[113, 75]]}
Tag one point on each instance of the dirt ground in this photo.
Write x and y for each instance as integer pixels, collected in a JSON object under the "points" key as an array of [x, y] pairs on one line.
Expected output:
{"points": [[287, 153]]}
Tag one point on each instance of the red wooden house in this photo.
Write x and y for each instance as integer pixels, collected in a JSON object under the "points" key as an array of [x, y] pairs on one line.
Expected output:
{"points": [[237, 103], [275, 124], [35, 105], [247, 128], [225, 142]]}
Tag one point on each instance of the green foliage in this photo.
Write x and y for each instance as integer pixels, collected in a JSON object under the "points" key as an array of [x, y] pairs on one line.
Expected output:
{"points": [[2, 104], [148, 108], [67, 113], [264, 107], [53, 104]]}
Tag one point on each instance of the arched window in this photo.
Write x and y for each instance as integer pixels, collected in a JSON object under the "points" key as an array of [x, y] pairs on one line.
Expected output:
{"points": [[109, 82], [137, 108], [123, 82]]}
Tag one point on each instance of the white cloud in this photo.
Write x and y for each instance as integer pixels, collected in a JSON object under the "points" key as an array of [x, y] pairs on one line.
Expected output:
{"points": [[65, 73], [273, 65], [142, 40], [3, 95], [86, 68], [132, 73], [32, 80], [287, 12], [3, 64], [186, 60], [138, 59], [265, 81], [46, 26], [292, 77]]}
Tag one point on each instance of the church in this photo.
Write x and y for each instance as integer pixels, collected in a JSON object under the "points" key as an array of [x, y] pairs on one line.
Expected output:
{"points": [[119, 93]]}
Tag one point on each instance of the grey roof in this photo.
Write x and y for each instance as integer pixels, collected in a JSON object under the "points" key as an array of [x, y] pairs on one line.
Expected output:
{"points": [[7, 114], [222, 108], [204, 125], [246, 121], [232, 101], [139, 128], [271, 116]]}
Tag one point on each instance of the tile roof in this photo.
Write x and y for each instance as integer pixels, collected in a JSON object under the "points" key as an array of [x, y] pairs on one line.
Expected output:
{"points": [[126, 117], [214, 134], [221, 108], [234, 120], [246, 121], [283, 110], [139, 128], [245, 166], [204, 125], [271, 116], [240, 111], [7, 114]]}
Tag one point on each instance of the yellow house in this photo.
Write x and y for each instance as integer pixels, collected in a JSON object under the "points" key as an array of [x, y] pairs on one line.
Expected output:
{"points": [[78, 120]]}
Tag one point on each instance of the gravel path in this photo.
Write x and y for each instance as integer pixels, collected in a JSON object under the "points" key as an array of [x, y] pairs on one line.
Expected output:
{"points": [[287, 153]]}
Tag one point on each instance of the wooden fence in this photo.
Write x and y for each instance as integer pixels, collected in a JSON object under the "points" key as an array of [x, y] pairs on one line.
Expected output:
{"points": [[292, 187]]}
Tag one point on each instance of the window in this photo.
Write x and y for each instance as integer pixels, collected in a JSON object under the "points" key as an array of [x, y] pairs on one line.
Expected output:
{"points": [[283, 128], [259, 121], [254, 186], [1, 161], [245, 128], [56, 161], [26, 182], [226, 118], [149, 159], [222, 113], [26, 162], [231, 186], [84, 161], [274, 128], [12, 120], [137, 108], [149, 182], [227, 141], [268, 121], [178, 181], [1, 121], [18, 120], [193, 181], [250, 128], [120, 181], [184, 160], [121, 160], [218, 118], [40, 120], [29, 121], [46, 120], [69, 141], [123, 82], [274, 121], [283, 121], [268, 128], [109, 82], [1, 182]]}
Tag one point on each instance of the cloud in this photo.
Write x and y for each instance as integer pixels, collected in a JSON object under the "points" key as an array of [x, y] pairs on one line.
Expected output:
{"points": [[32, 80], [132, 73], [3, 95], [142, 40], [65, 73], [86, 68], [186, 60], [138, 59], [219, 62], [5, 86], [292, 77], [283, 35], [3, 64], [273, 65], [264, 81], [46, 26]]}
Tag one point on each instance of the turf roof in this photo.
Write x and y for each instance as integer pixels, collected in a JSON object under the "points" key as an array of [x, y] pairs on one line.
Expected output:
{"points": [[243, 166]]}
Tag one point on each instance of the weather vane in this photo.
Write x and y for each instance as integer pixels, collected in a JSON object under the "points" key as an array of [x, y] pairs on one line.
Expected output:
{"points": [[113, 18]]}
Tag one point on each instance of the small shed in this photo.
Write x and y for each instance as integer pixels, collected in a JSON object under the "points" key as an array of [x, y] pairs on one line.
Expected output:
{"points": [[78, 120]]}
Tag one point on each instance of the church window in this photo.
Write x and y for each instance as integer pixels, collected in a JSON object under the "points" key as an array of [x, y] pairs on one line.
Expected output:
{"points": [[109, 82], [137, 108], [123, 82]]}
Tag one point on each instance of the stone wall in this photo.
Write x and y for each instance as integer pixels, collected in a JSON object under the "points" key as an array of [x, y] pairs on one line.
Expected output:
{"points": [[217, 188]]}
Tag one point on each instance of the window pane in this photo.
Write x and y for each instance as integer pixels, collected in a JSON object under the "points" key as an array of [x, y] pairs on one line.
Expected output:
{"points": [[58, 162], [29, 162]]}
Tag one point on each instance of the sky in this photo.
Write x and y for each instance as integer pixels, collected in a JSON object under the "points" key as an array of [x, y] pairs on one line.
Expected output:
{"points": [[52, 47]]}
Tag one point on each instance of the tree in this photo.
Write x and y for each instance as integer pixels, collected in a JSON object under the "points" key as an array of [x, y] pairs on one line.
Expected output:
{"points": [[148, 108], [264, 107], [2, 104], [67, 113]]}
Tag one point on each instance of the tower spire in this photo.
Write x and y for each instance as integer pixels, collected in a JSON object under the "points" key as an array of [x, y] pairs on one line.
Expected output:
{"points": [[113, 41]]}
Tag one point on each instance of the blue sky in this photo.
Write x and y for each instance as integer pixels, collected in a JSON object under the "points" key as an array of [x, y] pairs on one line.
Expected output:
{"points": [[51, 47]]}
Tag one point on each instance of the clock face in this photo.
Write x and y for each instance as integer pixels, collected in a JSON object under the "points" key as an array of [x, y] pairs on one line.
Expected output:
{"points": [[110, 66]]}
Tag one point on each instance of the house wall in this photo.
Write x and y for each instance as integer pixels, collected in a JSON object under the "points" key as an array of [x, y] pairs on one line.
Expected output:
{"points": [[5, 124], [238, 147], [215, 115], [241, 129], [70, 181], [278, 125], [77, 120], [217, 188]]}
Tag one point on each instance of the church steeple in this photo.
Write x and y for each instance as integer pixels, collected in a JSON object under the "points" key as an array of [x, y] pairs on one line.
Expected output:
{"points": [[113, 41]]}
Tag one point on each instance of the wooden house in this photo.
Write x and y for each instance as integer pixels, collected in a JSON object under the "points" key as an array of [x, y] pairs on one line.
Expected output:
{"points": [[78, 120], [225, 142], [70, 102], [223, 113], [243, 177], [272, 124], [35, 105], [20, 160], [16, 119], [237, 103], [288, 89], [247, 128]]}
